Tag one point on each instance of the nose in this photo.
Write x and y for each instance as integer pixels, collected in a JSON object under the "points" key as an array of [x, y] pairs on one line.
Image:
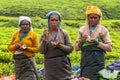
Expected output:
{"points": [[54, 21], [93, 19]]}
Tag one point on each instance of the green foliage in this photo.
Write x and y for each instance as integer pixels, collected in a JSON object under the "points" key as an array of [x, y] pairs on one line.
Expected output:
{"points": [[38, 22], [5, 57], [4, 19], [6, 68], [76, 24], [70, 9]]}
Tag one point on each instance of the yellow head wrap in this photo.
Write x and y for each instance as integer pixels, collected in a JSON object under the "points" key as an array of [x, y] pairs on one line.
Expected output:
{"points": [[93, 10]]}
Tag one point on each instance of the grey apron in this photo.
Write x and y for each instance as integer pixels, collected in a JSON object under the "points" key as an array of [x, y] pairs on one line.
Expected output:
{"points": [[57, 65], [92, 61], [25, 67]]}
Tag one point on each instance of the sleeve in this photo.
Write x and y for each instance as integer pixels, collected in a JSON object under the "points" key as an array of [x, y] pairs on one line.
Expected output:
{"points": [[11, 46], [34, 47], [78, 42], [43, 45], [107, 45], [67, 46]]}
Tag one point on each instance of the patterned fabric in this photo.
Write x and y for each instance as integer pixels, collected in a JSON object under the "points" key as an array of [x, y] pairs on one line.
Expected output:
{"points": [[93, 10]]}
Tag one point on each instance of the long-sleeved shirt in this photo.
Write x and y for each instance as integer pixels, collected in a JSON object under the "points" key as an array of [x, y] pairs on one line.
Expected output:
{"points": [[30, 40], [99, 32], [63, 38]]}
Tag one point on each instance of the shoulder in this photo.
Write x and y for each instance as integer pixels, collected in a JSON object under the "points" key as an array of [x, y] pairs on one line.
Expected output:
{"points": [[16, 33], [82, 28], [33, 34], [64, 31], [103, 28]]}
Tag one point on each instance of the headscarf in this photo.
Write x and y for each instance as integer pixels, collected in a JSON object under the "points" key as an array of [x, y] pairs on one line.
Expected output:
{"points": [[21, 18], [93, 10], [54, 12]]}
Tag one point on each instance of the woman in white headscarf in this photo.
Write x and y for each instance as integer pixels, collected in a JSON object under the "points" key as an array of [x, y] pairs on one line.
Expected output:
{"points": [[24, 45], [55, 44]]}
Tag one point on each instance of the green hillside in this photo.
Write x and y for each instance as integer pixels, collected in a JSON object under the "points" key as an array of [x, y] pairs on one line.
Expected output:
{"points": [[70, 9]]}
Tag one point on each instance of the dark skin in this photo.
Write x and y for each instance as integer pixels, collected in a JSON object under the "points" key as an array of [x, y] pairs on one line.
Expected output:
{"points": [[93, 20], [54, 23], [24, 27]]}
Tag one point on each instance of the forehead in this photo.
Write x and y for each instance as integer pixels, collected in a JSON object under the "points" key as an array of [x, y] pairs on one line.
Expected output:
{"points": [[24, 21], [54, 16], [93, 15]]}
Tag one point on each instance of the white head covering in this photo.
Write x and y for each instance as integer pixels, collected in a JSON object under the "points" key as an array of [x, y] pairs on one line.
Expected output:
{"points": [[21, 18]]}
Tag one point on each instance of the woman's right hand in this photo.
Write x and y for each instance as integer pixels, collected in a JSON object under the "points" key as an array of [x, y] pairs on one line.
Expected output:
{"points": [[45, 34], [17, 45], [84, 38]]}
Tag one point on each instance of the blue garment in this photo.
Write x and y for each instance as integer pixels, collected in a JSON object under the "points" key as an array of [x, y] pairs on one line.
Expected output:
{"points": [[23, 35], [55, 37], [54, 12], [91, 29]]}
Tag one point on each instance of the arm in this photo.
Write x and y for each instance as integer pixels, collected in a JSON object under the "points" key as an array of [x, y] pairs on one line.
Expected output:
{"points": [[43, 45], [78, 42], [11, 46], [67, 46], [107, 45]]}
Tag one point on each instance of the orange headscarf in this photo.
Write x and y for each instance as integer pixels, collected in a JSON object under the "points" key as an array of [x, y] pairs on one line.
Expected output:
{"points": [[93, 10]]}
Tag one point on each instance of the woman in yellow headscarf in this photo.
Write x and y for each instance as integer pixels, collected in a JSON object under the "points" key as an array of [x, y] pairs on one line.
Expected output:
{"points": [[93, 40]]}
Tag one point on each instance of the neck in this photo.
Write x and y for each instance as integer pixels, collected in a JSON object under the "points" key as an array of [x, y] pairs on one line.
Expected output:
{"points": [[54, 29], [23, 31]]}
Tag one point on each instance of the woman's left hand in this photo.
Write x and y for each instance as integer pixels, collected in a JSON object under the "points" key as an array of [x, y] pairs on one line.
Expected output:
{"points": [[94, 40], [23, 47]]}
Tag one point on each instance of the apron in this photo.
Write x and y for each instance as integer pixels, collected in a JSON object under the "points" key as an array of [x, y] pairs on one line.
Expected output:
{"points": [[92, 61], [25, 67]]}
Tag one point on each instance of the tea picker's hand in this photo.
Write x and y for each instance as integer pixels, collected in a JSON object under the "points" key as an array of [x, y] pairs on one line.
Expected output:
{"points": [[17, 45], [55, 43], [94, 40], [45, 34], [23, 47]]}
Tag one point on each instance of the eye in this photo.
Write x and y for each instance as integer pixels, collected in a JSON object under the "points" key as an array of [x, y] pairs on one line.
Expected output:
{"points": [[54, 20], [25, 24]]}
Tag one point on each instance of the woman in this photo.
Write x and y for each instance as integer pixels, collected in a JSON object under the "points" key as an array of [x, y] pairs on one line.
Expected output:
{"points": [[24, 45], [93, 40], [55, 44]]}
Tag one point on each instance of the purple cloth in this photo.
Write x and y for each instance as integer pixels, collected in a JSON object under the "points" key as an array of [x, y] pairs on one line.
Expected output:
{"points": [[114, 66]]}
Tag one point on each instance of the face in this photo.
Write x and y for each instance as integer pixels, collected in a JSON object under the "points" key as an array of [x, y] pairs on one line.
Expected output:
{"points": [[54, 21], [93, 19], [24, 26]]}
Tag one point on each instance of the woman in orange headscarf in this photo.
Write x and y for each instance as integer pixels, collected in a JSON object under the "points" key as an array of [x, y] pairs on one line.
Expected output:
{"points": [[93, 40]]}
